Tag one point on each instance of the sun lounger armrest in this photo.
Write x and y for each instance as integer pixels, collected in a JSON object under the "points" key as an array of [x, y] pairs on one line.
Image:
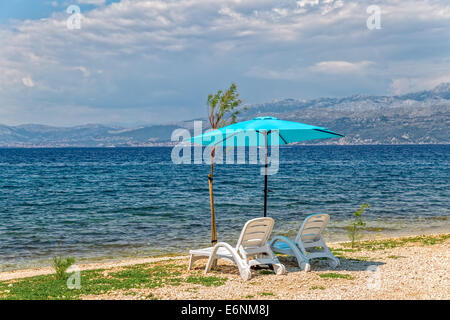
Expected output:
{"points": [[244, 268], [291, 245], [281, 239], [225, 245]]}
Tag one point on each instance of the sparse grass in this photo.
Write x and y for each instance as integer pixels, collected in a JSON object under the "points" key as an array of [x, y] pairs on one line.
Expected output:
{"points": [[395, 257], [150, 296], [333, 275], [207, 281], [317, 288], [96, 282], [282, 255], [339, 254], [174, 281], [373, 229], [165, 255], [338, 250], [249, 296], [373, 245], [266, 294], [266, 272]]}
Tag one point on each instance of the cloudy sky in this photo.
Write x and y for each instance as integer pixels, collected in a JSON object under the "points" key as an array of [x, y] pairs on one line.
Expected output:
{"points": [[150, 61]]}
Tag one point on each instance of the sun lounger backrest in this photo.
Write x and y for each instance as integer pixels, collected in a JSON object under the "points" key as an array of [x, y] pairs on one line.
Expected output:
{"points": [[312, 227], [256, 233]]}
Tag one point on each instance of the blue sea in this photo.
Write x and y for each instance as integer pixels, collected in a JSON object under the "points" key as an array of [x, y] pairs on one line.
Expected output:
{"points": [[113, 203]]}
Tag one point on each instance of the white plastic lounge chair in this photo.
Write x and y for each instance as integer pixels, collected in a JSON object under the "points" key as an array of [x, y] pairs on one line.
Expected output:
{"points": [[251, 249], [308, 243]]}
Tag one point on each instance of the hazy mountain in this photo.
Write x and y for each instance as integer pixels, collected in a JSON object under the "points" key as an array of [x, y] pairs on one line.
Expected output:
{"points": [[420, 117], [92, 135]]}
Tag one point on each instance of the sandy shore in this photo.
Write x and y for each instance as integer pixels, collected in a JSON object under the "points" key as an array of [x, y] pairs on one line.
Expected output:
{"points": [[412, 270]]}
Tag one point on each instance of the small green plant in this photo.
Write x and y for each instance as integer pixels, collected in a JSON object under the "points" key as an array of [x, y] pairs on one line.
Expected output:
{"points": [[61, 265], [354, 228], [266, 293]]}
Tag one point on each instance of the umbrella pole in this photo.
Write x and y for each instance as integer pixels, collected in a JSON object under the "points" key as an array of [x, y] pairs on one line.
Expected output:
{"points": [[211, 199], [265, 176]]}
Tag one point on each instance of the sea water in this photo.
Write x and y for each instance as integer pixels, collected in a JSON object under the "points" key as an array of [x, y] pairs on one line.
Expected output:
{"points": [[111, 203]]}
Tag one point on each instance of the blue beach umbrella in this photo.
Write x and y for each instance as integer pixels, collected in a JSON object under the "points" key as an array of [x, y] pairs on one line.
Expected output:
{"points": [[263, 132]]}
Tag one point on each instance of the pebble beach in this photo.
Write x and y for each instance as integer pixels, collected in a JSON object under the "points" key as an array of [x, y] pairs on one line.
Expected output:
{"points": [[396, 268]]}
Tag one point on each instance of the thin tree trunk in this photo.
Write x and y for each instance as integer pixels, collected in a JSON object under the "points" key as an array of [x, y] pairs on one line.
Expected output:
{"points": [[211, 199]]}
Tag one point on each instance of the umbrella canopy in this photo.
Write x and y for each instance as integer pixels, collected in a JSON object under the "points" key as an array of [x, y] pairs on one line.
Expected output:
{"points": [[284, 132], [263, 132]]}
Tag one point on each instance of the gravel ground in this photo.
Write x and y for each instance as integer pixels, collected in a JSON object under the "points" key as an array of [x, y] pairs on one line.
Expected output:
{"points": [[19, 274], [413, 271]]}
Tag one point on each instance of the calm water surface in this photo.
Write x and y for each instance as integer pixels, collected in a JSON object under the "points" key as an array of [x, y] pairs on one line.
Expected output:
{"points": [[104, 203]]}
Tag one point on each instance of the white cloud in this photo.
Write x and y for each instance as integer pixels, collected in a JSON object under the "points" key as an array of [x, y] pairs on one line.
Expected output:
{"points": [[339, 67], [292, 73], [192, 47], [28, 82], [405, 85], [332, 5], [304, 3], [326, 6], [95, 2], [83, 70], [298, 72]]}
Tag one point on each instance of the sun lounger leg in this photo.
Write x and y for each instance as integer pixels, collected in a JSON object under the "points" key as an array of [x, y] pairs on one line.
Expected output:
{"points": [[279, 269], [305, 266], [244, 269], [192, 260]]}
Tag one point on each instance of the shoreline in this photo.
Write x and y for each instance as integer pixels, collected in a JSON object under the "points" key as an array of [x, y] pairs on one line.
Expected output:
{"points": [[413, 268], [42, 267], [123, 262]]}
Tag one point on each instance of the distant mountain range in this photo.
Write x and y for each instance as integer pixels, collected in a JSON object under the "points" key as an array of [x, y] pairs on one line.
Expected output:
{"points": [[415, 118]]}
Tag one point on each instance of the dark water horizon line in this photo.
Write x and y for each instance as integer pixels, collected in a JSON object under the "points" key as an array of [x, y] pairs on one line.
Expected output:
{"points": [[171, 145]]}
